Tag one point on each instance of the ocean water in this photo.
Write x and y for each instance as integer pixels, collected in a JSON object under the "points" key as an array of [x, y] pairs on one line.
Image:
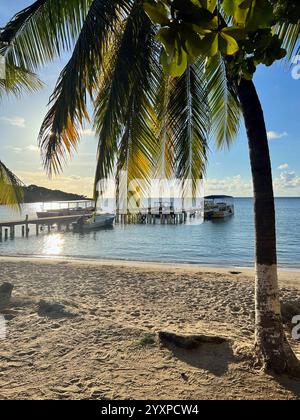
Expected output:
{"points": [[227, 242]]}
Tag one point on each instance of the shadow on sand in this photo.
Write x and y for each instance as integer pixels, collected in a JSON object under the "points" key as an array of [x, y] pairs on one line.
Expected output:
{"points": [[212, 354], [53, 311], [288, 383]]}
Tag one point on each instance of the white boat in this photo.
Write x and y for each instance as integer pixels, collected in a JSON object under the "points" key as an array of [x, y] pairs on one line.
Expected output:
{"points": [[67, 208], [95, 222], [218, 207]]}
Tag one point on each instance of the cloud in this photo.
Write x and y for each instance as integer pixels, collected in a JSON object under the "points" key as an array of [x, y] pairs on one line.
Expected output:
{"points": [[30, 148], [14, 121], [285, 185], [88, 132], [16, 149], [273, 135], [283, 166], [287, 180], [234, 185]]}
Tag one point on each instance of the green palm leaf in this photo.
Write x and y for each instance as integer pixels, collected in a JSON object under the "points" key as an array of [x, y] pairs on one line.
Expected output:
{"points": [[42, 31], [124, 107], [223, 103], [164, 160], [18, 80], [189, 119], [290, 37], [11, 192], [137, 145], [59, 134]]}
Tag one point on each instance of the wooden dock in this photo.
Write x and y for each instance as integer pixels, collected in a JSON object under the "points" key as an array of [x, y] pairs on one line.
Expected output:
{"points": [[48, 222], [8, 228], [147, 216]]}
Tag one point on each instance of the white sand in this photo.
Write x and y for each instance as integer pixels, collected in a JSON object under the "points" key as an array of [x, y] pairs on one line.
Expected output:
{"points": [[85, 339]]}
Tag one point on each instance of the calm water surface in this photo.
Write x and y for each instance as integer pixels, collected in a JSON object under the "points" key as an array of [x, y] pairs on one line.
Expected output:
{"points": [[225, 242]]}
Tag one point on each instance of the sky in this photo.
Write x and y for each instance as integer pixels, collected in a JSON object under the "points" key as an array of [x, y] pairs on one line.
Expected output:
{"points": [[228, 171]]}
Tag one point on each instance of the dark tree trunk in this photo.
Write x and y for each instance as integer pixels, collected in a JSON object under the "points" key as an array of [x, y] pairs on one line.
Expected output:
{"points": [[271, 344]]}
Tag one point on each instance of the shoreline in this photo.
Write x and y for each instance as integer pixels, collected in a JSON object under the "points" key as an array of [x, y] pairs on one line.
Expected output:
{"points": [[286, 277], [143, 263]]}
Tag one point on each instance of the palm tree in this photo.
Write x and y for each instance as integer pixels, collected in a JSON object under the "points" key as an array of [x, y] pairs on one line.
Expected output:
{"points": [[140, 115], [272, 346]]}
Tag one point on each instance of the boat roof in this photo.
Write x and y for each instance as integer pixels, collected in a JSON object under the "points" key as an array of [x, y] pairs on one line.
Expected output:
{"points": [[214, 197]]}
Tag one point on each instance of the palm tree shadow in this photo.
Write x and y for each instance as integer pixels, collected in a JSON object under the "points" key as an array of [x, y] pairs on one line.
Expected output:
{"points": [[213, 357], [53, 311], [288, 383]]}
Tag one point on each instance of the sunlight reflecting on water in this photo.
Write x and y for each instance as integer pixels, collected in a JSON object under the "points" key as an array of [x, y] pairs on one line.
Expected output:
{"points": [[215, 242], [53, 244]]}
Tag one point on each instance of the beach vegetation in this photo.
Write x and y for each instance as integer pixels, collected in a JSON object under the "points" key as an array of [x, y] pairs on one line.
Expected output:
{"points": [[147, 340]]}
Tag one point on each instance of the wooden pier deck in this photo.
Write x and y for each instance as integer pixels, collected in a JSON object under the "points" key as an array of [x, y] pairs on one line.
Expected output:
{"points": [[49, 222], [148, 216], [7, 228]]}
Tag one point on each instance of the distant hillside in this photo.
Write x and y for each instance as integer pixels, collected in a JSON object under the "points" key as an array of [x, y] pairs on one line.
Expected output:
{"points": [[35, 194]]}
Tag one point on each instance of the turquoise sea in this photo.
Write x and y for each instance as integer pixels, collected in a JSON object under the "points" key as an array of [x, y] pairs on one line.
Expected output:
{"points": [[222, 242]]}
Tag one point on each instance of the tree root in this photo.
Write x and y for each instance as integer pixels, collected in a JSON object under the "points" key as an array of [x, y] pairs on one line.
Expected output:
{"points": [[291, 366], [188, 342], [192, 342]]}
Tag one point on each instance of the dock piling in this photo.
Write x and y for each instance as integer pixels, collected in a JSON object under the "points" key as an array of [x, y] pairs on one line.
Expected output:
{"points": [[12, 232]]}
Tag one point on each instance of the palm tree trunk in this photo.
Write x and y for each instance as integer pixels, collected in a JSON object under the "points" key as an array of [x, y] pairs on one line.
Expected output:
{"points": [[271, 344]]}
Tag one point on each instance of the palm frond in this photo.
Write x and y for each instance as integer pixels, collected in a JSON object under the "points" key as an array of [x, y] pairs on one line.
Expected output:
{"points": [[290, 38], [189, 119], [17, 23], [123, 108], [11, 192], [223, 103], [17, 81], [60, 131], [138, 143], [164, 165], [40, 32]]}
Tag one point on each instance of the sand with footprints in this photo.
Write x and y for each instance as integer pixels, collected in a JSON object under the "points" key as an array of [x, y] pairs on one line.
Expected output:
{"points": [[89, 330]]}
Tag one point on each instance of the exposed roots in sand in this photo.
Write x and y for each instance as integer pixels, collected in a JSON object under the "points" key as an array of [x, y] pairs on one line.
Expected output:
{"points": [[188, 342], [291, 368], [254, 357]]}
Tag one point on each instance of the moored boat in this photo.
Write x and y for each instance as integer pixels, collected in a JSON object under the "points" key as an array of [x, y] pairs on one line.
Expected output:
{"points": [[218, 207], [68, 208], [95, 222]]}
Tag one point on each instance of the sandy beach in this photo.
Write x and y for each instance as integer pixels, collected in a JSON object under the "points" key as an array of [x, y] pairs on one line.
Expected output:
{"points": [[89, 330]]}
